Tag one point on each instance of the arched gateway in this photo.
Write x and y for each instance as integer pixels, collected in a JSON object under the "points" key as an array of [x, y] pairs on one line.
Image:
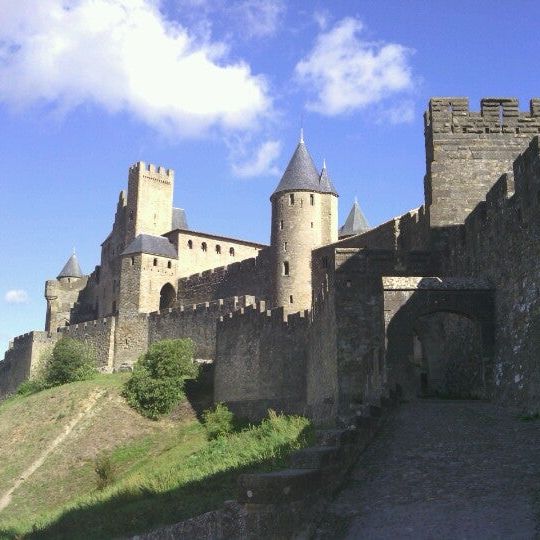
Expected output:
{"points": [[406, 299], [167, 296]]}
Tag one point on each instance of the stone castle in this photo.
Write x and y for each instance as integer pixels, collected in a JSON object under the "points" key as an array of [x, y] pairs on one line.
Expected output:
{"points": [[443, 299]]}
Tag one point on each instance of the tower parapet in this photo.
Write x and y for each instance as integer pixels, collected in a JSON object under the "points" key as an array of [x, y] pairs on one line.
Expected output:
{"points": [[467, 151]]}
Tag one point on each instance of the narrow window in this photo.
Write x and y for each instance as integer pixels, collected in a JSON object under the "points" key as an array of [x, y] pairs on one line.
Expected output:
{"points": [[281, 224], [190, 244], [204, 246], [231, 252], [291, 299], [132, 261], [169, 264], [218, 249], [155, 262], [286, 268], [291, 199], [312, 199], [312, 224], [114, 306], [131, 215], [284, 246]]}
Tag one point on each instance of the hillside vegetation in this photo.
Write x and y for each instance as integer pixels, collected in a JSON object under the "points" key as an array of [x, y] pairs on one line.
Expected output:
{"points": [[158, 472]]}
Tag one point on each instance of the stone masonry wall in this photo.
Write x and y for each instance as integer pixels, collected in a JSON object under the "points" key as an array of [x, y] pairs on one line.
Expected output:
{"points": [[261, 361], [249, 277], [501, 241], [467, 151], [23, 359]]}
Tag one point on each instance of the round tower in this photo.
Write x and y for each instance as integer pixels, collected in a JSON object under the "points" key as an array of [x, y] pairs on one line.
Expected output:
{"points": [[304, 217]]}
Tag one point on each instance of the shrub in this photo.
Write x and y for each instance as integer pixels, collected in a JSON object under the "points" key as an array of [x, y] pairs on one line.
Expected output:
{"points": [[32, 386], [104, 470], [152, 397], [157, 382], [171, 358], [70, 361], [218, 422]]}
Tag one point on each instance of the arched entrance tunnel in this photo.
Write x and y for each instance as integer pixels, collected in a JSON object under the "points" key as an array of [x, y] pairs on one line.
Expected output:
{"points": [[439, 335]]}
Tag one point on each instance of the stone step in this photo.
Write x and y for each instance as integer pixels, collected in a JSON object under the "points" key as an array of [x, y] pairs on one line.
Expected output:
{"points": [[278, 487], [316, 457]]}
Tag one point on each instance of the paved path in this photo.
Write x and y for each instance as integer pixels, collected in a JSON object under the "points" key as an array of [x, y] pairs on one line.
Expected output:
{"points": [[443, 470]]}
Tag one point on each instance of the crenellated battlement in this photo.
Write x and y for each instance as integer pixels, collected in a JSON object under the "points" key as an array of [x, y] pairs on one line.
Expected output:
{"points": [[496, 115], [141, 168]]}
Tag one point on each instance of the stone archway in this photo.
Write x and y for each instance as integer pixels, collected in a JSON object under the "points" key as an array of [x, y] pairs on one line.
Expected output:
{"points": [[406, 299], [167, 296]]}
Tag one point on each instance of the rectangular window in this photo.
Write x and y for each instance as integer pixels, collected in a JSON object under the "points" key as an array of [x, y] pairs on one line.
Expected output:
{"points": [[281, 224], [291, 299], [285, 268], [284, 246], [312, 199], [291, 198]]}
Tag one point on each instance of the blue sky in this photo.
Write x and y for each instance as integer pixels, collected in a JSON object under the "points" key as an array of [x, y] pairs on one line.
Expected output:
{"points": [[217, 89]]}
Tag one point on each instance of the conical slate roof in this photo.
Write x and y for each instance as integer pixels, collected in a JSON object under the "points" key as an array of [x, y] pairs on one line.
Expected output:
{"points": [[356, 222], [300, 173], [71, 268], [325, 183]]}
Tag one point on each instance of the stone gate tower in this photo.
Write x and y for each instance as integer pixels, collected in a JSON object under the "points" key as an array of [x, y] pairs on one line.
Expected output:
{"points": [[304, 217]]}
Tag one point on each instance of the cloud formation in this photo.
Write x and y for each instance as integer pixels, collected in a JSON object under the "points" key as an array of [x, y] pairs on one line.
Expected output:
{"points": [[124, 55], [16, 296], [344, 73], [262, 163]]}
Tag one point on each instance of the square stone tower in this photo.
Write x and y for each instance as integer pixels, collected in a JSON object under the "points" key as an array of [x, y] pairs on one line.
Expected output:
{"points": [[150, 200]]}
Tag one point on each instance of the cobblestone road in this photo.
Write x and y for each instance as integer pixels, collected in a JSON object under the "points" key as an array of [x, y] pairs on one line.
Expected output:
{"points": [[443, 470]]}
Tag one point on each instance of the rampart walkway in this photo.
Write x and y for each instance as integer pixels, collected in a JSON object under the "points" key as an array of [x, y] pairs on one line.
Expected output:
{"points": [[444, 470]]}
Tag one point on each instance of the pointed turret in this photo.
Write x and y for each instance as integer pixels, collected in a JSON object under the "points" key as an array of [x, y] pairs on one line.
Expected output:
{"points": [[301, 173], [71, 269], [356, 222], [325, 183]]}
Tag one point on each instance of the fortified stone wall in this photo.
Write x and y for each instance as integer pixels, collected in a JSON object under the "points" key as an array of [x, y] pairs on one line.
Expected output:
{"points": [[261, 361], [99, 335], [23, 359], [250, 277], [62, 297], [501, 240], [197, 322], [467, 151]]}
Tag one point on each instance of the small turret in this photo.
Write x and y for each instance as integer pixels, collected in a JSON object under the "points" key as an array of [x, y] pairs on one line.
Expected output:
{"points": [[356, 222], [71, 269]]}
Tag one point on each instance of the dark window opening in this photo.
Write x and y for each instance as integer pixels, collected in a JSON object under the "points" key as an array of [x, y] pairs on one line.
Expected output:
{"points": [[286, 268], [231, 252], [291, 299], [312, 199], [132, 261], [155, 262], [218, 249], [281, 224], [291, 198], [190, 244], [204, 247], [169, 264]]}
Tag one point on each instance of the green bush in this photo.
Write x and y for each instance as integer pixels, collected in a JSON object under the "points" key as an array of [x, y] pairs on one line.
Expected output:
{"points": [[218, 422], [32, 386], [157, 382], [70, 361], [171, 358], [104, 470]]}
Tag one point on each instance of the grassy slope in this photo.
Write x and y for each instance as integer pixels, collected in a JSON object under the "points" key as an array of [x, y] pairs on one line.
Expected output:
{"points": [[165, 471]]}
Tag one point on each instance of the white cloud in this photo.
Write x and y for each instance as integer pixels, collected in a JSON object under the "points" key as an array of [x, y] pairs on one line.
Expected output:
{"points": [[260, 18], [124, 55], [346, 73], [263, 162], [16, 296]]}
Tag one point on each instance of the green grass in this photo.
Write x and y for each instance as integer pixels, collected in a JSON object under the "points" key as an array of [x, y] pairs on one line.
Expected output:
{"points": [[165, 471]]}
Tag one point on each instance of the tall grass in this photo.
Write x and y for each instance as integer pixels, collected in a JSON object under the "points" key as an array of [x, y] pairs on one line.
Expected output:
{"points": [[173, 486]]}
